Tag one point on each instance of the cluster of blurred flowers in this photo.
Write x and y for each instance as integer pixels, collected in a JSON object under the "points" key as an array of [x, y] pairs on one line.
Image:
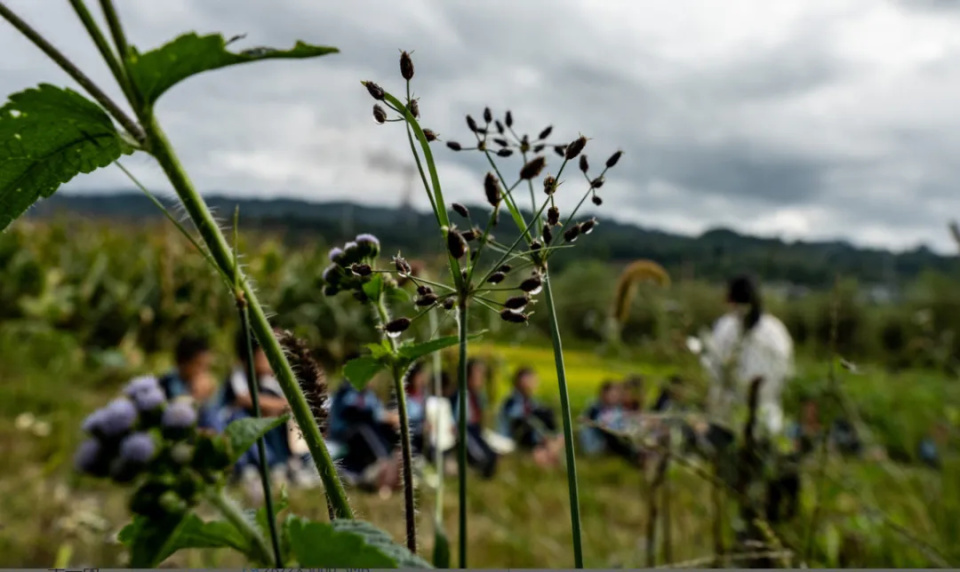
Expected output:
{"points": [[143, 437], [351, 266], [28, 422]]}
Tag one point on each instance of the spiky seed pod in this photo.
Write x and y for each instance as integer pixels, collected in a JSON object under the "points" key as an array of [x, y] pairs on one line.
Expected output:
{"points": [[534, 283], [547, 234], [379, 113], [504, 152], [545, 133], [532, 169], [549, 184], [454, 145], [575, 148], [612, 161], [572, 233], [501, 142], [460, 210], [597, 183], [586, 227], [584, 165], [448, 303], [472, 124], [597, 200], [513, 317], [375, 90], [500, 128], [429, 135], [456, 245], [423, 290], [492, 189], [397, 326], [426, 300], [509, 119], [361, 269], [536, 245], [560, 150], [310, 375], [487, 115], [406, 66], [517, 302], [553, 216], [496, 278], [402, 266], [505, 268], [414, 108]]}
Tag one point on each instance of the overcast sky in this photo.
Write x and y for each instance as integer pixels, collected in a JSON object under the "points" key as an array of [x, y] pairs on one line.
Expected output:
{"points": [[798, 118]]}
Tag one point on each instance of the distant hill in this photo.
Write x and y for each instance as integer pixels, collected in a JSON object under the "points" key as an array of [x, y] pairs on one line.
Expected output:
{"points": [[713, 255]]}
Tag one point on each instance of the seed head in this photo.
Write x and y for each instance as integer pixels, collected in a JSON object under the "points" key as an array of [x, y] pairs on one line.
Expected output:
{"points": [[351, 253], [379, 113], [138, 448], [575, 148], [613, 159], [179, 415], [534, 283], [487, 115], [517, 302], [470, 235], [596, 183], [456, 245], [572, 233], [414, 107], [496, 278], [549, 184], [532, 169], [406, 66], [423, 290], [362, 269], [597, 200], [460, 210], [536, 245], [560, 150], [500, 128], [586, 227], [429, 135], [553, 216], [505, 152], [397, 326], [492, 189], [505, 268], [509, 119], [584, 165], [426, 300], [547, 234], [472, 124], [454, 145], [539, 148], [402, 266], [310, 375], [501, 142], [513, 316], [368, 245], [375, 90], [545, 133], [448, 303]]}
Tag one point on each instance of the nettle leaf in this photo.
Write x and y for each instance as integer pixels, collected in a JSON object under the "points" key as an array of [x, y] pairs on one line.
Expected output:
{"points": [[414, 352], [373, 287], [346, 544], [361, 370], [151, 541], [158, 70], [243, 433], [380, 350], [48, 136]]}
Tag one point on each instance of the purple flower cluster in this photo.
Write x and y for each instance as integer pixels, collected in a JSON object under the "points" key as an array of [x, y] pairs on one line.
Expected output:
{"points": [[351, 266]]}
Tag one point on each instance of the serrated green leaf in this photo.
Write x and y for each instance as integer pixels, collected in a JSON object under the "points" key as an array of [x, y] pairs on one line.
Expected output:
{"points": [[243, 433], [346, 544], [280, 505], [151, 540], [380, 350], [156, 71], [361, 370], [48, 136], [373, 287], [416, 351]]}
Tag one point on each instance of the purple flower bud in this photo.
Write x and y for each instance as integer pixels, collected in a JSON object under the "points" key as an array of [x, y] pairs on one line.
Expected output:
{"points": [[138, 448], [369, 245], [119, 416], [139, 384], [336, 254], [93, 421], [149, 399], [87, 457], [179, 415]]}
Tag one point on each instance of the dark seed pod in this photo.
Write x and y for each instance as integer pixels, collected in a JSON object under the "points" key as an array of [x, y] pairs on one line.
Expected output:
{"points": [[429, 135], [469, 235], [532, 284], [406, 66], [597, 183], [597, 200], [575, 148], [584, 166], [423, 290], [455, 244], [375, 90], [487, 115], [549, 184], [454, 145], [561, 150], [532, 169], [472, 124], [505, 268], [536, 245], [539, 148], [448, 303], [547, 234], [501, 142], [505, 152], [517, 302], [397, 326], [379, 113], [509, 119], [513, 317], [492, 189], [553, 216], [496, 278], [545, 133], [460, 210], [402, 266], [500, 128], [572, 233], [361, 269], [414, 108], [613, 159], [586, 227], [426, 300]]}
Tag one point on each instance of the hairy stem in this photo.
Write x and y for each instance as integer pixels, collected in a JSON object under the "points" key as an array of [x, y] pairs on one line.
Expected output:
{"points": [[567, 423], [106, 52], [234, 515], [220, 251], [68, 66], [462, 427]]}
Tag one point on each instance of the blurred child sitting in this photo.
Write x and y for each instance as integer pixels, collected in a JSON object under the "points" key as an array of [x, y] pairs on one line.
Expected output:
{"points": [[530, 424], [192, 377], [607, 417]]}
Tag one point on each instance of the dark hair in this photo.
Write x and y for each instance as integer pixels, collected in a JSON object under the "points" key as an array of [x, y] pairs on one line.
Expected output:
{"points": [[521, 373], [190, 347], [675, 380], [743, 289], [240, 345], [634, 382], [415, 370], [472, 364], [606, 386]]}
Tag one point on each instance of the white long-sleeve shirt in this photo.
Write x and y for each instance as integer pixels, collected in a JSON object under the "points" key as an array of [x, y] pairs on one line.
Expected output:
{"points": [[767, 352]]}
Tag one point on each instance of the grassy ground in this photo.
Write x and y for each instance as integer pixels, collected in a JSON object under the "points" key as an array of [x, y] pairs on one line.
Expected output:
{"points": [[874, 514]]}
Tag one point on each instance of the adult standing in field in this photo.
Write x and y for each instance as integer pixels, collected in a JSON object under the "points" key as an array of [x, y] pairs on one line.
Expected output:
{"points": [[192, 377]]}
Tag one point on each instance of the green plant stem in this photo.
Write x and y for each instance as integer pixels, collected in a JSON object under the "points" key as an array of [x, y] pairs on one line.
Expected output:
{"points": [[119, 73], [405, 450], [567, 423], [235, 516], [462, 428], [220, 251], [73, 71], [437, 454]]}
